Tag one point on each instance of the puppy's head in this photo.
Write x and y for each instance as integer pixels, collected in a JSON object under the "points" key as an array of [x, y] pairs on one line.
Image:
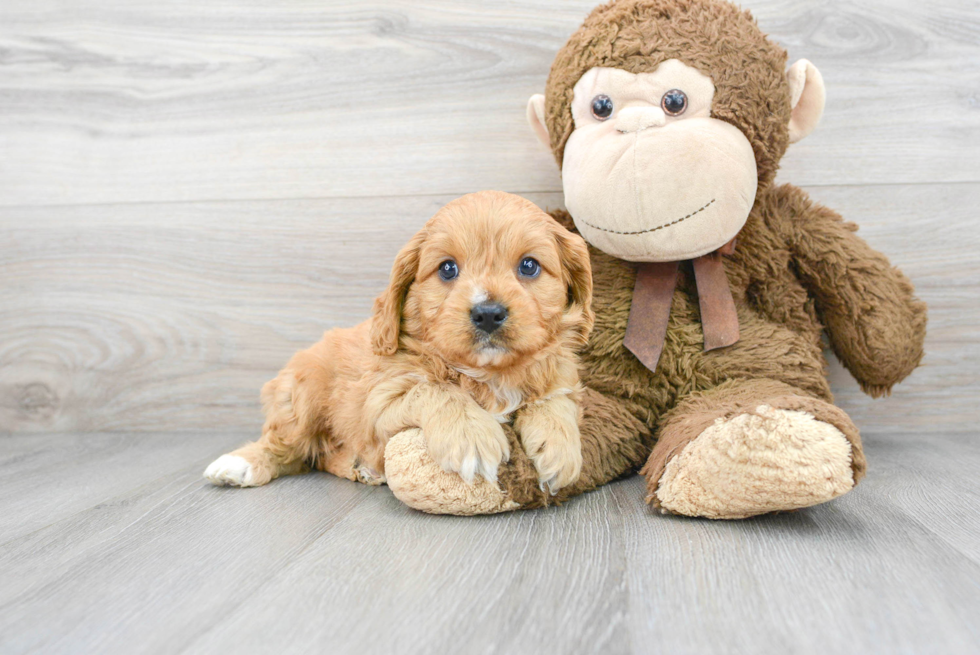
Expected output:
{"points": [[489, 281]]}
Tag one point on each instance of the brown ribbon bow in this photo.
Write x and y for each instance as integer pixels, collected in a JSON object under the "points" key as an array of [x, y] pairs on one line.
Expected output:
{"points": [[652, 297]]}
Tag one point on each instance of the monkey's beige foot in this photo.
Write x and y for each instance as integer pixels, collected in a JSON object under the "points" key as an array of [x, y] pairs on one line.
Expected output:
{"points": [[756, 462], [419, 482]]}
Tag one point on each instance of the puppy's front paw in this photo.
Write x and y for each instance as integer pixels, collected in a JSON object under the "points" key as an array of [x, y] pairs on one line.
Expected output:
{"points": [[469, 447], [559, 463], [552, 440], [230, 470]]}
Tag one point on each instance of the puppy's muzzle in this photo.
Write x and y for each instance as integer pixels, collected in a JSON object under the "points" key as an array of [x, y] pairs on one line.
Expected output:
{"points": [[488, 316]]}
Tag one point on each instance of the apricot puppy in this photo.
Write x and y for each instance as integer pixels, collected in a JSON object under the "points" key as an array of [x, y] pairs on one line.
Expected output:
{"points": [[479, 326]]}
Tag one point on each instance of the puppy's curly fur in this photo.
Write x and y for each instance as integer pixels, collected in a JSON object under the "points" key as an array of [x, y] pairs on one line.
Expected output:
{"points": [[420, 361]]}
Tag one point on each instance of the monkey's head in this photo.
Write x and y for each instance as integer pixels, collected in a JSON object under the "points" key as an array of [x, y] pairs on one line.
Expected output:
{"points": [[667, 117]]}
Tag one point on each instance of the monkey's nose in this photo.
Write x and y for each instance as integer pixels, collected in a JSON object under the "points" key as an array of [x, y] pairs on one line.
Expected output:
{"points": [[488, 316], [635, 119]]}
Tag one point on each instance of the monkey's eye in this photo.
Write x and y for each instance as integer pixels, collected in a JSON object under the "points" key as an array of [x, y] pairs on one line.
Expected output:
{"points": [[448, 270], [674, 102], [602, 107], [529, 267]]}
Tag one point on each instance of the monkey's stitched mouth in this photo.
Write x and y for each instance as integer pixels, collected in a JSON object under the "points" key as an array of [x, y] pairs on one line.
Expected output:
{"points": [[659, 227]]}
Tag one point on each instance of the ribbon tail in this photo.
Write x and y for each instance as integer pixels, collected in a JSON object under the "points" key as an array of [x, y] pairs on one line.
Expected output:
{"points": [[646, 328], [719, 320]]}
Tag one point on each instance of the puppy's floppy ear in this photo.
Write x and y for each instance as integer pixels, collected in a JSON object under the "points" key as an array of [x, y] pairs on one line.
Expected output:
{"points": [[577, 269], [387, 318]]}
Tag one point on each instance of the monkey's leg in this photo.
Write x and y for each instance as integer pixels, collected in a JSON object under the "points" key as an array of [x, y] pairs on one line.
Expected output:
{"points": [[614, 443], [749, 447]]}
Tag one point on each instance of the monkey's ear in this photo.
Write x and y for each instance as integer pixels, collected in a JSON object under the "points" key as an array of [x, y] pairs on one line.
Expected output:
{"points": [[535, 116], [387, 319], [806, 96]]}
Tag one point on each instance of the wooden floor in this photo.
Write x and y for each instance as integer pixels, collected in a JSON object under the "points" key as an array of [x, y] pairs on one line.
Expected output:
{"points": [[191, 191], [114, 544]]}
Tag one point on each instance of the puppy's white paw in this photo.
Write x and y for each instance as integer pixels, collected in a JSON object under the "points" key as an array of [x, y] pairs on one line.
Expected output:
{"points": [[476, 446], [559, 463], [551, 438], [230, 470]]}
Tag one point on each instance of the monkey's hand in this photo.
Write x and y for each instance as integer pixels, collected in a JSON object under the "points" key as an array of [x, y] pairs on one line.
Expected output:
{"points": [[875, 323], [550, 434]]}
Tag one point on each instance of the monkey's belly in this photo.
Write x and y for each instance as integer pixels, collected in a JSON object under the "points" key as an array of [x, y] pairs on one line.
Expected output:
{"points": [[765, 350]]}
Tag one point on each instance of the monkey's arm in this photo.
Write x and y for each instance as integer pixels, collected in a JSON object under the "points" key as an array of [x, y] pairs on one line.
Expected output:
{"points": [[875, 323]]}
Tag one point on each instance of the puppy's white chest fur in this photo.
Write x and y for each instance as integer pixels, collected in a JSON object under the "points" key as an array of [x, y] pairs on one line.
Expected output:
{"points": [[508, 399], [511, 400]]}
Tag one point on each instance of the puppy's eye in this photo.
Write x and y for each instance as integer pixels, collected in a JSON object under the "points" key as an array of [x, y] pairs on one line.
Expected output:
{"points": [[674, 102], [529, 267], [448, 270], [602, 107]]}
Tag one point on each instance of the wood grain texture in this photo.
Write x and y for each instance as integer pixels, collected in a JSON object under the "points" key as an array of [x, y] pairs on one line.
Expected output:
{"points": [[47, 477], [176, 101], [171, 316], [318, 564]]}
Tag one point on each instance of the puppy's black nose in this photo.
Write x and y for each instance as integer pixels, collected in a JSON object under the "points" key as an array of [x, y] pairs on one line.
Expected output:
{"points": [[488, 316]]}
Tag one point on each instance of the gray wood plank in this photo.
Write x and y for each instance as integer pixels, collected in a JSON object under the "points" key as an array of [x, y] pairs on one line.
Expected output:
{"points": [[147, 570], [918, 474], [175, 101], [47, 477], [171, 316], [891, 567], [499, 584], [854, 576], [313, 563], [190, 555]]}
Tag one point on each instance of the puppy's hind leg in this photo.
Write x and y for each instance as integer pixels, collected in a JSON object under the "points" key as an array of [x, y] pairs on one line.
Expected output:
{"points": [[290, 437]]}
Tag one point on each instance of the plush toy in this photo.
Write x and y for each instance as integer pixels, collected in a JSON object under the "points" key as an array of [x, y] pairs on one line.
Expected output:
{"points": [[712, 286]]}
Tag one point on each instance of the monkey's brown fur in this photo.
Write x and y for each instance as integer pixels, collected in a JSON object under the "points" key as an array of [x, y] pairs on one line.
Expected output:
{"points": [[798, 272]]}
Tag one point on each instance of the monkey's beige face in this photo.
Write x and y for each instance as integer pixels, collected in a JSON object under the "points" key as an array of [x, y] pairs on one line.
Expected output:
{"points": [[648, 174], [492, 284]]}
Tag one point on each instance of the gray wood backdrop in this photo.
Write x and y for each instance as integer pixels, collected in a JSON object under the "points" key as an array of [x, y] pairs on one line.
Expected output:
{"points": [[191, 191]]}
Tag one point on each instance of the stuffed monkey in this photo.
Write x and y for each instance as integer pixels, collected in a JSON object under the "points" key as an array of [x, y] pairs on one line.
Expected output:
{"points": [[713, 287]]}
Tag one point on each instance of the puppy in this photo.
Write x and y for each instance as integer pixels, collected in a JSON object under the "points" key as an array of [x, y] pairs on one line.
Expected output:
{"points": [[479, 326]]}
